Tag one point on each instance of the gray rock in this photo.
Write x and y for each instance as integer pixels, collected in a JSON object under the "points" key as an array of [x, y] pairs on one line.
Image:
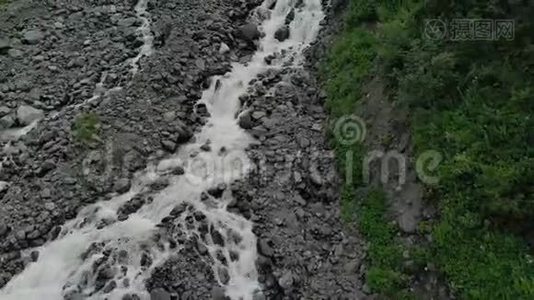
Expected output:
{"points": [[282, 33], [264, 248], [223, 275], [290, 16], [286, 281], [109, 287], [258, 115], [33, 37], [245, 121], [4, 44], [34, 256], [224, 48], [3, 229], [160, 294], [46, 193], [6, 122], [169, 116], [27, 114], [315, 176], [249, 32], [122, 185], [130, 297], [4, 110], [3, 186], [14, 53], [128, 22], [169, 146]]}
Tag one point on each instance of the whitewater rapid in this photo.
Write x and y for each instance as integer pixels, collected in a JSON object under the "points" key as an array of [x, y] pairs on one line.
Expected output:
{"points": [[61, 270]]}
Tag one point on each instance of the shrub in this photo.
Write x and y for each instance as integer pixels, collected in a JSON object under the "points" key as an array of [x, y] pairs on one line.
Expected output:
{"points": [[86, 128]]}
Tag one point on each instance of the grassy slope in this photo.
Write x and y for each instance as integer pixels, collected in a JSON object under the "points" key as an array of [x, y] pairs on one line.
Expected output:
{"points": [[473, 102]]}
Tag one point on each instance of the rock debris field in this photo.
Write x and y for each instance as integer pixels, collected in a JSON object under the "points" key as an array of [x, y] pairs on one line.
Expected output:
{"points": [[169, 149]]}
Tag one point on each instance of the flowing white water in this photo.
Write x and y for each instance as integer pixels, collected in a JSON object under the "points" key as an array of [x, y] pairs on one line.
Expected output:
{"points": [[61, 270], [148, 38]]}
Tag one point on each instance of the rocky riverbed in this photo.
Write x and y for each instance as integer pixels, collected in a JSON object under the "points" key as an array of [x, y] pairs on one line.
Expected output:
{"points": [[142, 67]]}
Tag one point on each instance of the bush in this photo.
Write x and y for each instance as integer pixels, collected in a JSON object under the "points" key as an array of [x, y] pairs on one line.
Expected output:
{"points": [[86, 128]]}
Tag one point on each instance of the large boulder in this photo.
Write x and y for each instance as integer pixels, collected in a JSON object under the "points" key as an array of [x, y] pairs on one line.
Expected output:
{"points": [[27, 114], [5, 44], [249, 32], [33, 37], [282, 33]]}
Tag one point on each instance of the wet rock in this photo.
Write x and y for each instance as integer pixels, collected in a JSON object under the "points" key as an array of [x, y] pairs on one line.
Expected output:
{"points": [[282, 33], [217, 293], [290, 16], [178, 171], [109, 287], [264, 248], [245, 121], [249, 32], [27, 114], [223, 275], [217, 191], [34, 256], [130, 297], [168, 145], [179, 209], [33, 37], [122, 185], [216, 237]]}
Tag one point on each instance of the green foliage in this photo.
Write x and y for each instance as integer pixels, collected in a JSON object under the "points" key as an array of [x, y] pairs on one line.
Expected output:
{"points": [[86, 128], [348, 66], [385, 255], [361, 11], [474, 103]]}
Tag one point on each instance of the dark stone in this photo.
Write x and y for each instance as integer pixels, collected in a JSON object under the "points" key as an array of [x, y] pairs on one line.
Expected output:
{"points": [[282, 33], [249, 32], [169, 146]]}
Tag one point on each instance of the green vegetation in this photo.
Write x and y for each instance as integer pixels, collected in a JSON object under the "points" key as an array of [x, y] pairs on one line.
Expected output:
{"points": [[86, 128], [473, 101]]}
